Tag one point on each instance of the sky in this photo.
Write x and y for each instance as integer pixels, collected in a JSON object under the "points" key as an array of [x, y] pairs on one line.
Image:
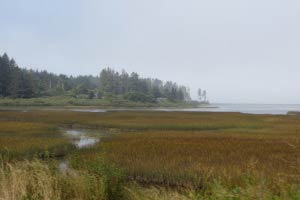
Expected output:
{"points": [[240, 51]]}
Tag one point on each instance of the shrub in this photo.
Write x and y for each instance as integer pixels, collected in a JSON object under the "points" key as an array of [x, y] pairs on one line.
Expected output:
{"points": [[139, 97]]}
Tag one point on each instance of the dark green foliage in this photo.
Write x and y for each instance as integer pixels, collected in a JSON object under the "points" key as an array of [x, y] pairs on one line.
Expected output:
{"points": [[5, 74], [134, 88], [21, 83], [139, 97], [15, 82]]}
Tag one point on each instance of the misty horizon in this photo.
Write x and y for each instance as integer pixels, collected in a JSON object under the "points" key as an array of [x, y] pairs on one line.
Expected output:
{"points": [[239, 51]]}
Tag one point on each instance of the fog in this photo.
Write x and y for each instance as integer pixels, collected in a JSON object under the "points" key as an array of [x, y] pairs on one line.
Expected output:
{"points": [[240, 51]]}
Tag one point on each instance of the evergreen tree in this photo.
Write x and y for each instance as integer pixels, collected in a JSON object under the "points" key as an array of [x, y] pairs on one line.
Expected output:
{"points": [[5, 75], [22, 83]]}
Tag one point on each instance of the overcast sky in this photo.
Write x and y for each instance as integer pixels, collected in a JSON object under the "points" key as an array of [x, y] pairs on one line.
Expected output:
{"points": [[244, 51]]}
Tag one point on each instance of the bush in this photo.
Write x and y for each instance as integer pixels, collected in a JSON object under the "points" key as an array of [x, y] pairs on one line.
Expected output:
{"points": [[139, 97]]}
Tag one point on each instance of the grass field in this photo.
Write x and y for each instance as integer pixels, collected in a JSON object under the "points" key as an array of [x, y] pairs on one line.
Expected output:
{"points": [[156, 155]]}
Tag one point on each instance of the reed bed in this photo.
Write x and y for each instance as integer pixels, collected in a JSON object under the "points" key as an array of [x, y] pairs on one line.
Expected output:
{"points": [[36, 180], [24, 140], [192, 159], [169, 155]]}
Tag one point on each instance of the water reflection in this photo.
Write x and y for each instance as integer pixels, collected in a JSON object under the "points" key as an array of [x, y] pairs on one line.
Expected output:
{"points": [[89, 110], [81, 139]]}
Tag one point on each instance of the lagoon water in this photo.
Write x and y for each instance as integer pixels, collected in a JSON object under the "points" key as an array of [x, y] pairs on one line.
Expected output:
{"points": [[272, 109]]}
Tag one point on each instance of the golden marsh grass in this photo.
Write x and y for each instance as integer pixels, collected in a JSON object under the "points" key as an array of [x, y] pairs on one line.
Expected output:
{"points": [[230, 154]]}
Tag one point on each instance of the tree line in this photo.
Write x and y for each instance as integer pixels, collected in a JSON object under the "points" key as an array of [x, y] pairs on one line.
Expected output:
{"points": [[16, 82]]}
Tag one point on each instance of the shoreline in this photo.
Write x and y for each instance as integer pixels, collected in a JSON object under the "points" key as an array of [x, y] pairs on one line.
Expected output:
{"points": [[70, 102]]}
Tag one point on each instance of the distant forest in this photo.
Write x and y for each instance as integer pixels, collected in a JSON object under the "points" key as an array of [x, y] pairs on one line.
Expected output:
{"points": [[16, 82]]}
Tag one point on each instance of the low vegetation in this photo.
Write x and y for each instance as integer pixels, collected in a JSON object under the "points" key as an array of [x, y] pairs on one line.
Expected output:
{"points": [[19, 140], [152, 155], [69, 101]]}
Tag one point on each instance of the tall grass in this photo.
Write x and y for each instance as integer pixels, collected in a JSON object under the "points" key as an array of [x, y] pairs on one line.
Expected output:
{"points": [[36, 180], [176, 155]]}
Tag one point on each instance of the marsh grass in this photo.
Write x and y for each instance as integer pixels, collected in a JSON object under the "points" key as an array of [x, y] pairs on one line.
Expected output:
{"points": [[24, 140], [170, 155], [233, 150], [191, 159], [35, 180]]}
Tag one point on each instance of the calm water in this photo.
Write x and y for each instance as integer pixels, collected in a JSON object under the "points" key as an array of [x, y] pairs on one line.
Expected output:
{"points": [[273, 109], [80, 138], [89, 110]]}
